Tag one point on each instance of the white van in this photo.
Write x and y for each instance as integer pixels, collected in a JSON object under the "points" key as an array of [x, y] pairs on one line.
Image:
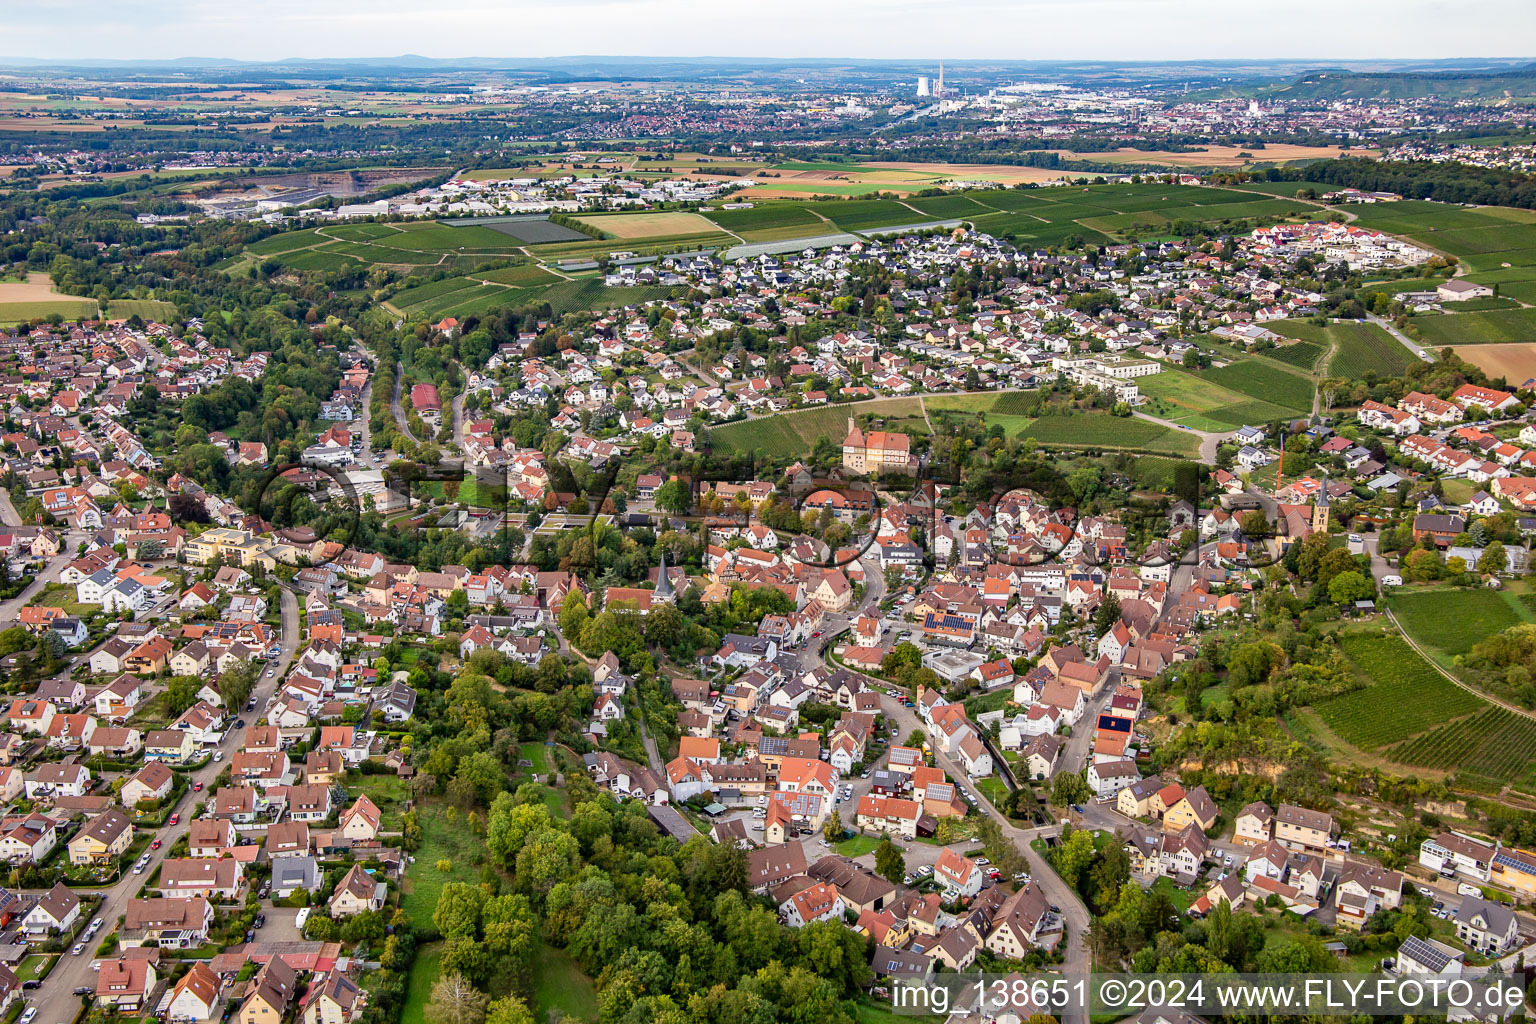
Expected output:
{"points": [[1391, 581], [1468, 889], [300, 918]]}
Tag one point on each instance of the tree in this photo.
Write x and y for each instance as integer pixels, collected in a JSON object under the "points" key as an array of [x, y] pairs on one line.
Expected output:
{"points": [[1349, 587], [1255, 524], [181, 693], [458, 910], [832, 828], [916, 738], [1423, 566], [1075, 856], [1254, 662], [510, 1010], [1108, 614], [1069, 788], [673, 496], [904, 659], [1492, 559], [455, 1001], [236, 684], [889, 863]]}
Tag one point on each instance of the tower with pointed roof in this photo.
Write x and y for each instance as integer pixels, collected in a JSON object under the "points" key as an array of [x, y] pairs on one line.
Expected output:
{"points": [[663, 584], [1320, 510]]}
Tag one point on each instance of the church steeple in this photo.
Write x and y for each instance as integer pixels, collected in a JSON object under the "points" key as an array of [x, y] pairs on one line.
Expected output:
{"points": [[663, 584]]}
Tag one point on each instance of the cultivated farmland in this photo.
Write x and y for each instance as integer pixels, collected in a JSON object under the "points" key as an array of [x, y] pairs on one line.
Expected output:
{"points": [[1515, 363], [1205, 404], [862, 214], [1359, 347], [791, 434], [1452, 621], [1404, 695], [1474, 328], [1265, 381], [1494, 744], [649, 225]]}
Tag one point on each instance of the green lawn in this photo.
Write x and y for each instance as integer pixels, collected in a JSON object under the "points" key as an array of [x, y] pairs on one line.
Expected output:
{"points": [[1180, 898], [418, 984], [440, 840], [858, 845], [559, 986], [388, 793], [31, 966]]}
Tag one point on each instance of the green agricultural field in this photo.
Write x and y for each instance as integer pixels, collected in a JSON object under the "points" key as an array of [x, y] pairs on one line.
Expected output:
{"points": [[1205, 404], [1267, 382], [69, 309], [1303, 354], [360, 232], [147, 309], [1289, 189], [592, 294], [791, 434], [766, 216], [1452, 621], [1493, 744], [318, 259], [287, 241], [422, 294], [1359, 346], [1404, 694], [526, 276], [1104, 431], [861, 214], [475, 299], [949, 207], [1476, 328]]}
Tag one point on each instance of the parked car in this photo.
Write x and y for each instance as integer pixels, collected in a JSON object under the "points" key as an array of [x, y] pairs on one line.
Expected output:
{"points": [[85, 990], [218, 755], [155, 845], [32, 983], [197, 787], [175, 820], [79, 948], [27, 1015]]}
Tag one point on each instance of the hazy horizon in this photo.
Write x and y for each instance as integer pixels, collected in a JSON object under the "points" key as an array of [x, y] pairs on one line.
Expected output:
{"points": [[1107, 30]]}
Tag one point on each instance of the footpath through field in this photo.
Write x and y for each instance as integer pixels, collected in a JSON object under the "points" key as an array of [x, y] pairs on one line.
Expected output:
{"points": [[1522, 712]]}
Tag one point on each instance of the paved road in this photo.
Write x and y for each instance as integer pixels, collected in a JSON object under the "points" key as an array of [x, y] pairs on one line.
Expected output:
{"points": [[8, 511], [1407, 342], [1074, 913], [50, 574], [401, 420], [456, 406], [1210, 440], [56, 1001]]}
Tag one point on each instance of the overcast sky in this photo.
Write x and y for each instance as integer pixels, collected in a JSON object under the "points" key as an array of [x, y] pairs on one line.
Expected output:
{"points": [[953, 29]]}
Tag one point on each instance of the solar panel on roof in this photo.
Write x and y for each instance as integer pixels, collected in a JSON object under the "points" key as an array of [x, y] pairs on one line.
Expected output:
{"points": [[1430, 956]]}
